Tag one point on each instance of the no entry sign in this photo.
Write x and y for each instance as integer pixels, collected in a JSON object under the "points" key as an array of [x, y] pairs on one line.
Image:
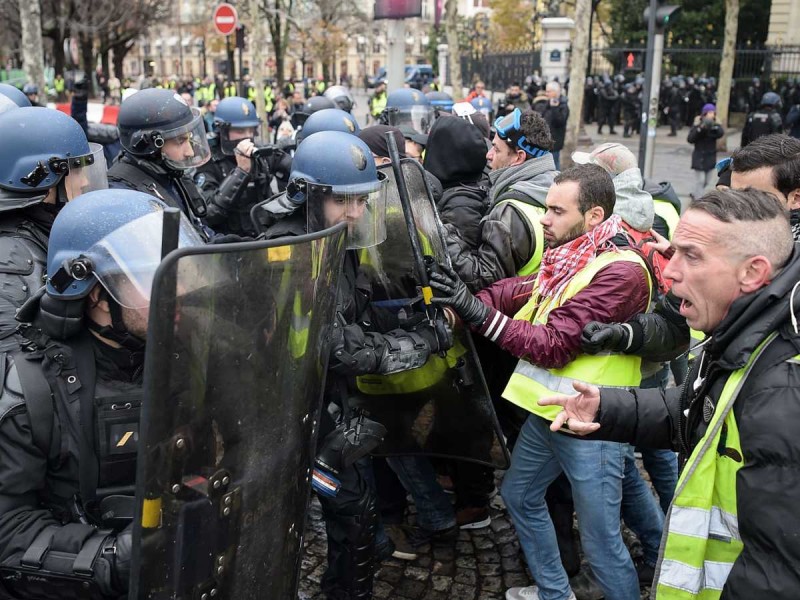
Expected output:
{"points": [[225, 19]]}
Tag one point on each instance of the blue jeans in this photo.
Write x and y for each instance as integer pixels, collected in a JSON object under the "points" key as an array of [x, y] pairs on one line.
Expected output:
{"points": [[661, 464], [434, 510], [639, 509], [595, 471]]}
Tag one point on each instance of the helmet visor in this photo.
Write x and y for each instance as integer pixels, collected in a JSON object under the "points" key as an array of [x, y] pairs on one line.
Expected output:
{"points": [[419, 118], [126, 260], [362, 207], [87, 173], [186, 147]]}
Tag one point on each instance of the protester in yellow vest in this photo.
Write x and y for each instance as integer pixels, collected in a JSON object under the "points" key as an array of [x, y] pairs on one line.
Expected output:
{"points": [[584, 276], [733, 530]]}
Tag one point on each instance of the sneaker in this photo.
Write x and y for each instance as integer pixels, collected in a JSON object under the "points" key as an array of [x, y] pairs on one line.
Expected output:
{"points": [[420, 537], [529, 593], [644, 570], [473, 517], [401, 548]]}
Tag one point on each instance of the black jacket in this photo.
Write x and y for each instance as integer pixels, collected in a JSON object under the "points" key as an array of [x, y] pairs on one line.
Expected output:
{"points": [[767, 413], [556, 117], [174, 188], [704, 135], [465, 196], [43, 473], [763, 121]]}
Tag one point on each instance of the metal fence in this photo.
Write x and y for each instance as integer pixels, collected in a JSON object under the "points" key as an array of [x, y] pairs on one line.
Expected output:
{"points": [[771, 62], [500, 70]]}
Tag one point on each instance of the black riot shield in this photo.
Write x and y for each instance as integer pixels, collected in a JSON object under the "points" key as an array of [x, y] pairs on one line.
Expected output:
{"points": [[234, 374], [443, 408]]}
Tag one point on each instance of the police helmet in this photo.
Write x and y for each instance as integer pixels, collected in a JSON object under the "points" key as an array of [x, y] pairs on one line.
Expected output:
{"points": [[408, 107], [312, 105], [441, 101], [482, 105], [154, 117], [341, 97], [334, 174], [42, 149], [111, 237], [770, 99], [14, 94], [29, 89], [329, 119], [234, 112]]}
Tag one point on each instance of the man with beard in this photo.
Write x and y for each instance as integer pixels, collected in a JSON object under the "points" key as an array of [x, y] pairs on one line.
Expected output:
{"points": [[584, 276]]}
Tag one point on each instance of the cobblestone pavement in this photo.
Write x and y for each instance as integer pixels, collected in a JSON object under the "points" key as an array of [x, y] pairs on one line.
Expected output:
{"points": [[480, 565]]}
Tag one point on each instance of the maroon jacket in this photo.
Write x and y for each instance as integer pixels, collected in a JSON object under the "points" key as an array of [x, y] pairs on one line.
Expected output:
{"points": [[616, 294]]}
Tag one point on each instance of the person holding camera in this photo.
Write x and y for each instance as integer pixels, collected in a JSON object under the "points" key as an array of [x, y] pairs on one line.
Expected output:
{"points": [[234, 179], [704, 135]]}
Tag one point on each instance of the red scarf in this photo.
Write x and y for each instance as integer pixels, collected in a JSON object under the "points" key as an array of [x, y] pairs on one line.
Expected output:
{"points": [[561, 264]]}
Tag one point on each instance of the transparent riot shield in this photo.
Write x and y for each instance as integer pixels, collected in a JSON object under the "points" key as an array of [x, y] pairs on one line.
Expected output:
{"points": [[234, 375], [444, 408]]}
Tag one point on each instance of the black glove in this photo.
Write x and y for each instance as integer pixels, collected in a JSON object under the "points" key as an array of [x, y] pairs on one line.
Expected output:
{"points": [[601, 337], [123, 548], [439, 337], [454, 293]]}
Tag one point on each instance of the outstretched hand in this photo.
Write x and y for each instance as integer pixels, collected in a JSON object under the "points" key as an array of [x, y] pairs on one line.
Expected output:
{"points": [[579, 410]]}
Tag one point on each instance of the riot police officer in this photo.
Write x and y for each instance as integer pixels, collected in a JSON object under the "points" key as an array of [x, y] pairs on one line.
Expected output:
{"points": [[408, 107], [45, 161], [162, 138], [765, 120], [234, 179], [334, 179], [341, 97], [69, 407]]}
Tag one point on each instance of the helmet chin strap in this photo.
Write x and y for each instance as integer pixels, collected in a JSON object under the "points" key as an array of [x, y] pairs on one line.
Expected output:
{"points": [[117, 331]]}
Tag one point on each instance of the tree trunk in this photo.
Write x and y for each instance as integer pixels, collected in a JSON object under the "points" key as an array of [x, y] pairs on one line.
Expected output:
{"points": [[257, 63], [453, 51], [59, 60], [120, 51], [726, 67], [86, 44], [30, 15], [577, 74], [104, 62]]}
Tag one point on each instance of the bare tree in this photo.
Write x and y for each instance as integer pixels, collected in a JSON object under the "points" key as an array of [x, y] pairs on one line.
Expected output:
{"points": [[335, 22], [577, 74], [726, 66], [453, 49], [279, 16], [257, 33], [30, 16]]}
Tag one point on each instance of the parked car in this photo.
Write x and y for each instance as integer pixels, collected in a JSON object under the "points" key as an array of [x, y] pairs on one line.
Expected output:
{"points": [[415, 75]]}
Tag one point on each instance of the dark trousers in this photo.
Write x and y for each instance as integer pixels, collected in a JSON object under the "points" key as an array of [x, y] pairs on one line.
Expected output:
{"points": [[351, 522]]}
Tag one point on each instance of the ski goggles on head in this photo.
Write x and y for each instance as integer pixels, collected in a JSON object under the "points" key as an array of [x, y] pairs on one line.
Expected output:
{"points": [[725, 163], [509, 129]]}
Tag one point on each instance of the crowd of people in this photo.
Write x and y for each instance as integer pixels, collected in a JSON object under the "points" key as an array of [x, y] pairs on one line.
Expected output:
{"points": [[586, 289]]}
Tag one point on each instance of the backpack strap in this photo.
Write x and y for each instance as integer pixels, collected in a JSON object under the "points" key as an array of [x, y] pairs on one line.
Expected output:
{"points": [[38, 399]]}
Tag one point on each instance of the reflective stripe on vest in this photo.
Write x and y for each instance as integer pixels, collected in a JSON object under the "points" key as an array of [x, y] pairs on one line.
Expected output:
{"points": [[529, 382], [702, 539], [666, 211], [532, 215]]}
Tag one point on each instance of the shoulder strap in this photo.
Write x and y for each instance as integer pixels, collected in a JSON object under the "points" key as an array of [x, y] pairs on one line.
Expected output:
{"points": [[513, 194], [38, 399], [88, 471]]}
